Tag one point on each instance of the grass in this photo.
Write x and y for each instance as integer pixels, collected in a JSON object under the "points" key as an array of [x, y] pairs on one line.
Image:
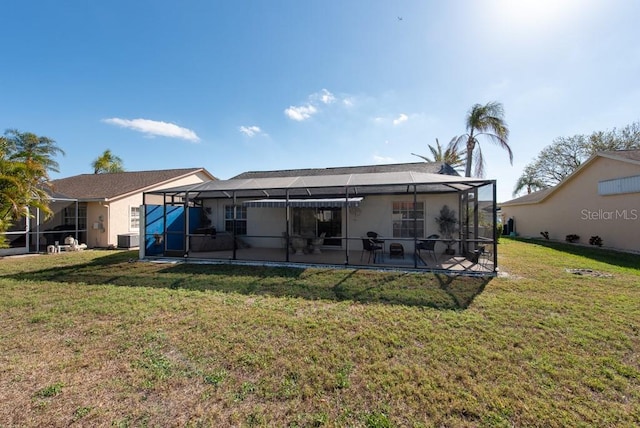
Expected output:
{"points": [[95, 339]]}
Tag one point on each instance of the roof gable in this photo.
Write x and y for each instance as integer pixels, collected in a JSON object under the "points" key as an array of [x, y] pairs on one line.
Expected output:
{"points": [[628, 156], [112, 185]]}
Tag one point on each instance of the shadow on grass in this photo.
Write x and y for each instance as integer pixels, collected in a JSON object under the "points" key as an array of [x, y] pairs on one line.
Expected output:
{"points": [[615, 258], [362, 286]]}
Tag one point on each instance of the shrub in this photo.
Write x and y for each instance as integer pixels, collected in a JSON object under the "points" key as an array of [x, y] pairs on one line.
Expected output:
{"points": [[572, 238], [595, 240]]}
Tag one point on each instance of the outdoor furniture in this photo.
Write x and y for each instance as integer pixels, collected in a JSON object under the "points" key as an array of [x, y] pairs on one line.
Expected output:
{"points": [[376, 239], [371, 247], [316, 243], [396, 250], [483, 256], [71, 244], [298, 243], [429, 245]]}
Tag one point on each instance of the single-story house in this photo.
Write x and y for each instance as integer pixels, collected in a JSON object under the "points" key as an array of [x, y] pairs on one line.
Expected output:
{"points": [[362, 215], [99, 210], [601, 198]]}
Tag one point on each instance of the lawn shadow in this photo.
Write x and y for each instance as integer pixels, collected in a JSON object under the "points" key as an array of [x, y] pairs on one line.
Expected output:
{"points": [[334, 284]]}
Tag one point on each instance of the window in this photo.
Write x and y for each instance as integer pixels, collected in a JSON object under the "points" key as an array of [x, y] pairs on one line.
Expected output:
{"points": [[241, 219], [403, 219], [134, 218], [69, 215], [619, 186]]}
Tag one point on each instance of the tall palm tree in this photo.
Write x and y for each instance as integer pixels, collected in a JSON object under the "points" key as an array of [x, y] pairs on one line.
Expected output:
{"points": [[107, 162], [488, 121], [451, 154]]}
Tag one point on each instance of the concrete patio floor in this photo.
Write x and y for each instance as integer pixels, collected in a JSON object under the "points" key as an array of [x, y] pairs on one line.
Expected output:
{"points": [[356, 258]]}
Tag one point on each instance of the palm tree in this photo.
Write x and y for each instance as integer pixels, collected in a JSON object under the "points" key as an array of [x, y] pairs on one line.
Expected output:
{"points": [[484, 120], [451, 154], [25, 162], [36, 152], [529, 180], [107, 162]]}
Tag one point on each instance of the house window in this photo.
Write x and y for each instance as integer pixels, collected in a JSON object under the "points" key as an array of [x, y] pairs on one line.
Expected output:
{"points": [[404, 216], [134, 218], [69, 215], [241, 219], [619, 186]]}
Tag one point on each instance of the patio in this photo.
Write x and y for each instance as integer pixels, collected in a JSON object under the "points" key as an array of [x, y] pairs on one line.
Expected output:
{"points": [[327, 219], [453, 264]]}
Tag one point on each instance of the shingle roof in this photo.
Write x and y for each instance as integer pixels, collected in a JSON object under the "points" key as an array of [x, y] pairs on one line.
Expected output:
{"points": [[531, 198], [631, 156], [628, 155], [428, 167], [111, 185]]}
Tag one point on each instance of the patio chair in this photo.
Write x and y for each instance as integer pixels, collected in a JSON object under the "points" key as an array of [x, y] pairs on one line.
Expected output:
{"points": [[371, 247], [429, 245], [396, 250], [485, 257], [374, 237]]}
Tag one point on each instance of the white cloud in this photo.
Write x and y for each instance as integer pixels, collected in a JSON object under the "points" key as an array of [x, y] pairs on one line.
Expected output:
{"points": [[383, 159], [305, 111], [300, 113], [251, 131], [155, 128], [401, 119], [324, 96]]}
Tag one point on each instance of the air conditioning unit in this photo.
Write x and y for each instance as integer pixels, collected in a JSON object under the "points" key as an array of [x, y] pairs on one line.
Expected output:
{"points": [[128, 240]]}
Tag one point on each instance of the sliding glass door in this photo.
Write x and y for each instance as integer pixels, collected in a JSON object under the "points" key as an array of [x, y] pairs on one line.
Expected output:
{"points": [[314, 222]]}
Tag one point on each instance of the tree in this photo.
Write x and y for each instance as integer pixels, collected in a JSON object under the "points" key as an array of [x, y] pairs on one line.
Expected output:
{"points": [[25, 162], [37, 153], [529, 180], [451, 155], [560, 159], [484, 121], [107, 162]]}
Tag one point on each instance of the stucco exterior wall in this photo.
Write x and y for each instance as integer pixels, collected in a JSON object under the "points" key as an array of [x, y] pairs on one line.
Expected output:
{"points": [[577, 208], [375, 213], [117, 213], [97, 224]]}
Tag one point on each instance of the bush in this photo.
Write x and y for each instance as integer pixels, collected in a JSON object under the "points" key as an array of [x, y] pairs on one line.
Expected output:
{"points": [[572, 238], [595, 240]]}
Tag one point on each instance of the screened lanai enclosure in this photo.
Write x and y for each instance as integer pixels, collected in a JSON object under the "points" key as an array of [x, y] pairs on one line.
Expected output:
{"points": [[381, 220], [36, 232]]}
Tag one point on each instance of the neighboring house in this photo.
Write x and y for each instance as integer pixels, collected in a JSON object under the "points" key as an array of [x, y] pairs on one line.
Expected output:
{"points": [[105, 205], [328, 211], [601, 198]]}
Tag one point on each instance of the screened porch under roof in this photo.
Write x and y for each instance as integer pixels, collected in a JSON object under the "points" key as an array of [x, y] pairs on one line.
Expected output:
{"points": [[261, 219]]}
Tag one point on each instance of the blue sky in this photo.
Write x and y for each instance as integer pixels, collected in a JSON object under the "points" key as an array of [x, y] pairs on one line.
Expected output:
{"points": [[244, 85]]}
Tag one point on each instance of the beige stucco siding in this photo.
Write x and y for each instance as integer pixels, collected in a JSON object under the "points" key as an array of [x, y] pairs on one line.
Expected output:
{"points": [[117, 212], [375, 213], [97, 224], [577, 208]]}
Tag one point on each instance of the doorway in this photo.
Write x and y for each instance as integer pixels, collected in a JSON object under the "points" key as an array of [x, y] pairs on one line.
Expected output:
{"points": [[316, 221]]}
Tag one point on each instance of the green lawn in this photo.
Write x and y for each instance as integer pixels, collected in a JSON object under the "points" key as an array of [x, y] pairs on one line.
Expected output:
{"points": [[98, 339]]}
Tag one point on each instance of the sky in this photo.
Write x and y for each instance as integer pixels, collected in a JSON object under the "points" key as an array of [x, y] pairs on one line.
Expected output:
{"points": [[249, 85]]}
